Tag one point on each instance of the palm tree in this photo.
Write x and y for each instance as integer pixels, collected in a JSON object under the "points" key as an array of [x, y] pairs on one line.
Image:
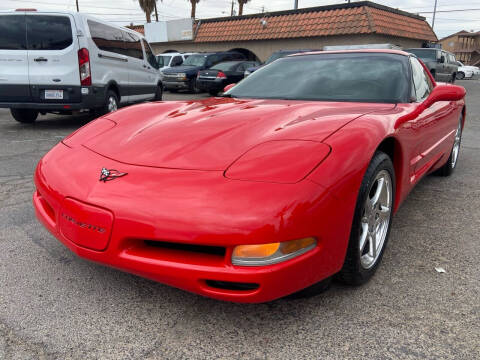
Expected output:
{"points": [[148, 6], [194, 7], [240, 6]]}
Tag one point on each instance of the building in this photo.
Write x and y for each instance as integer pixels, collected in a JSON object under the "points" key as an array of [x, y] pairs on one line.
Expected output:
{"points": [[258, 35], [465, 45]]}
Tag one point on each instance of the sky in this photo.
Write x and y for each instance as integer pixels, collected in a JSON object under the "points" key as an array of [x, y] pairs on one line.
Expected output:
{"points": [[124, 12]]}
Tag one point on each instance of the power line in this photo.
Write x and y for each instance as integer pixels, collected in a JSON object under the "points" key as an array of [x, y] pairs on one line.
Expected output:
{"points": [[448, 11]]}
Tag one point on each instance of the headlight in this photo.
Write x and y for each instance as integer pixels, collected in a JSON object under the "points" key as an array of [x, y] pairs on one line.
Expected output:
{"points": [[181, 75], [279, 161], [272, 253]]}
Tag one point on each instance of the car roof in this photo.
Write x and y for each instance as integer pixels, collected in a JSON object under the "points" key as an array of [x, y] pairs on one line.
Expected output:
{"points": [[233, 62], [370, 51], [26, 10]]}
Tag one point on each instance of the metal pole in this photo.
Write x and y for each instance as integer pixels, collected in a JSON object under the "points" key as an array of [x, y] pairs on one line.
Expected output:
{"points": [[295, 5], [434, 12], [231, 12], [77, 6]]}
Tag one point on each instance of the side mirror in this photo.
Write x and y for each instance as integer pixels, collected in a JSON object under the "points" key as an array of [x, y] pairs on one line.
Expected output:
{"points": [[445, 92], [442, 59], [228, 87]]}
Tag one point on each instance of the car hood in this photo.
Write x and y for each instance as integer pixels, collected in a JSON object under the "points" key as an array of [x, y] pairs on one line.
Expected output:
{"points": [[211, 134]]}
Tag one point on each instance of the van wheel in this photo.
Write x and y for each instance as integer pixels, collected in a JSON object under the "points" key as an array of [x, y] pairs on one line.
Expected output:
{"points": [[159, 93], [24, 115], [111, 103]]}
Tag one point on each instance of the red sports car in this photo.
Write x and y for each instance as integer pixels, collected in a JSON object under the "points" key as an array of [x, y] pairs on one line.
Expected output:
{"points": [[290, 178]]}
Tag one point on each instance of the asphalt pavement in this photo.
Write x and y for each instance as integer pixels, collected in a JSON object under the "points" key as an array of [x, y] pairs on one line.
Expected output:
{"points": [[54, 305]]}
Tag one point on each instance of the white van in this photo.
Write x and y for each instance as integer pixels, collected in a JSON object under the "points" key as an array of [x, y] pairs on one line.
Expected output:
{"points": [[64, 62]]}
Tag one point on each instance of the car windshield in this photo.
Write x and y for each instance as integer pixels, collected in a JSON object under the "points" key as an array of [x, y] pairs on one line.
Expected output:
{"points": [[195, 60], [352, 77], [425, 55], [163, 60], [225, 66]]}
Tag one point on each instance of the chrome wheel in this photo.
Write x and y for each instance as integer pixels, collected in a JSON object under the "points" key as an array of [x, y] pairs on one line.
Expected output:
{"points": [[112, 104], [375, 219], [456, 145]]}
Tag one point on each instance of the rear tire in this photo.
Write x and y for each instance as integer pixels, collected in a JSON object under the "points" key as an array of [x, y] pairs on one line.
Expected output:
{"points": [[371, 222], [460, 75], [173, 90], [213, 92], [111, 103], [451, 164], [26, 116]]}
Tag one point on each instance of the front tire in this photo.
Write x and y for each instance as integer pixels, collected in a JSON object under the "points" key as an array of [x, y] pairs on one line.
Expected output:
{"points": [[25, 116], [371, 223], [159, 93], [451, 164], [460, 75], [193, 87]]}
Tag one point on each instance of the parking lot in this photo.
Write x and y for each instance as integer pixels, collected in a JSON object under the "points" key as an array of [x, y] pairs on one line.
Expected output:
{"points": [[54, 305]]}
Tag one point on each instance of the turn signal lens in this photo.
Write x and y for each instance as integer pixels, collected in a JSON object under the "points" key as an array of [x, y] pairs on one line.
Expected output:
{"points": [[272, 253], [255, 251]]}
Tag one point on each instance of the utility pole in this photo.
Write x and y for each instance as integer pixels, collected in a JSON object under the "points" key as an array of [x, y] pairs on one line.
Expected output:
{"points": [[77, 5], [434, 12], [295, 5]]}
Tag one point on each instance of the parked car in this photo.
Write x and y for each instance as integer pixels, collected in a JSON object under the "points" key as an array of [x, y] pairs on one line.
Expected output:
{"points": [[264, 192], [185, 76], [276, 55], [467, 72], [218, 76], [60, 62], [442, 64], [168, 60]]}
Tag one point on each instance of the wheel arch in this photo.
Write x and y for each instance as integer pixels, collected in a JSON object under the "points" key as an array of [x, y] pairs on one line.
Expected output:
{"points": [[112, 85], [392, 147]]}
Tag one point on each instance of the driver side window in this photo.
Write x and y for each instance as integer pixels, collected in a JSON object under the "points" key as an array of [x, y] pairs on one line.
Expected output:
{"points": [[422, 85]]}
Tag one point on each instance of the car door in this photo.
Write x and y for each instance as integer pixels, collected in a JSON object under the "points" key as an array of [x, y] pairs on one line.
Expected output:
{"points": [[109, 58], [444, 67], [433, 128], [53, 69], [14, 82]]}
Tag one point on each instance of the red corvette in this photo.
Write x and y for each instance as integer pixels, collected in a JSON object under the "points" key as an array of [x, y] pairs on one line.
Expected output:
{"points": [[290, 178]]}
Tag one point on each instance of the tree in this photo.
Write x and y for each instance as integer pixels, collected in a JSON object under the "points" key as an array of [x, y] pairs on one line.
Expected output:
{"points": [[240, 6], [194, 7], [148, 6]]}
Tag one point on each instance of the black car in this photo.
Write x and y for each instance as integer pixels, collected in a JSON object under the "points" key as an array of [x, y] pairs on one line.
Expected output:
{"points": [[185, 76], [276, 55], [218, 76]]}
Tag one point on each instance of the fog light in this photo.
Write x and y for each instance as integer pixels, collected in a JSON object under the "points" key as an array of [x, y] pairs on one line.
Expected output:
{"points": [[271, 253]]}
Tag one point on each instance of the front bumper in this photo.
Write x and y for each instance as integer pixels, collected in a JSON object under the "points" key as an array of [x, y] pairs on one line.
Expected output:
{"points": [[178, 84], [211, 85], [194, 208]]}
